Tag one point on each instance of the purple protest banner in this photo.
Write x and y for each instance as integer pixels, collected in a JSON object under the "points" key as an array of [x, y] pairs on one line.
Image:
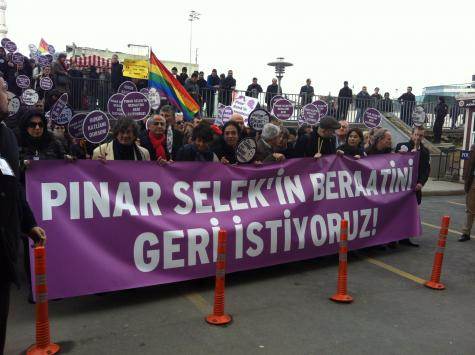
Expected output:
{"points": [[310, 114], [96, 127], [109, 229], [18, 58], [283, 109], [135, 105], [114, 105], [127, 87], [10, 46], [22, 81], [29, 97], [46, 83], [75, 125], [372, 118], [58, 107], [322, 107]]}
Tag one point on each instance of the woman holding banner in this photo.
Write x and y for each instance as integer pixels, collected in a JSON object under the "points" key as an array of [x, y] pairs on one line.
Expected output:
{"points": [[225, 148], [353, 145], [123, 145]]}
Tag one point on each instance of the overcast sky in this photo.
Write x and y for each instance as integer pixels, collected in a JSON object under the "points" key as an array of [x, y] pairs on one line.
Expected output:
{"points": [[390, 44]]}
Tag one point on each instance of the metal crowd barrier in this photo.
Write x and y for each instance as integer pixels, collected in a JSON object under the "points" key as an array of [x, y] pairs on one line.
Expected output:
{"points": [[91, 94]]}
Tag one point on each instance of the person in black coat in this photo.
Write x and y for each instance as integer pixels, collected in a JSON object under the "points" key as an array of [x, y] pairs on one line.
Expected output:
{"points": [[321, 141], [386, 104], [272, 90], [345, 97], [116, 73], [363, 101], [228, 84], [213, 82], [183, 76], [254, 89], [441, 110], [15, 215], [199, 150], [408, 101], [415, 144], [225, 147], [306, 93], [354, 144]]}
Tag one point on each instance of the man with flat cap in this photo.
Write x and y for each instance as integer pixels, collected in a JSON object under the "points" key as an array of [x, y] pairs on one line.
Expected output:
{"points": [[321, 141]]}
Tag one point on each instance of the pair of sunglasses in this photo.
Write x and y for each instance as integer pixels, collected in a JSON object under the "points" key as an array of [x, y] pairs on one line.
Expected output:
{"points": [[34, 124]]}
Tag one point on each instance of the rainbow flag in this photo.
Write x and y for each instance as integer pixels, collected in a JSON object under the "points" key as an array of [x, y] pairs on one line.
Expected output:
{"points": [[43, 47], [161, 79]]}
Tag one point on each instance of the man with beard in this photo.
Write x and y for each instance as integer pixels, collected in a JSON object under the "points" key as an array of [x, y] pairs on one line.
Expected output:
{"points": [[321, 141]]}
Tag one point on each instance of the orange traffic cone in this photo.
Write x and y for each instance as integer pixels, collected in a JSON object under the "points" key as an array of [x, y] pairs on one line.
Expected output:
{"points": [[43, 344], [342, 295], [219, 317], [434, 282]]}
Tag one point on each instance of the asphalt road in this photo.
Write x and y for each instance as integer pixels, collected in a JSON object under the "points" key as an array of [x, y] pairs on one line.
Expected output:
{"points": [[284, 309]]}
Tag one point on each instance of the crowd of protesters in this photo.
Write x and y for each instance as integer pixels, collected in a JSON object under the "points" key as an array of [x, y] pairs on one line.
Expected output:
{"points": [[165, 137]]}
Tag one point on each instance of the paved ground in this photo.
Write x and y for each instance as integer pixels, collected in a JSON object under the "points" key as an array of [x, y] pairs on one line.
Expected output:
{"points": [[285, 309]]}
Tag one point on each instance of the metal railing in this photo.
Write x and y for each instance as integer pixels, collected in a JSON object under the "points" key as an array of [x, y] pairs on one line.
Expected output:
{"points": [[90, 94], [449, 164]]}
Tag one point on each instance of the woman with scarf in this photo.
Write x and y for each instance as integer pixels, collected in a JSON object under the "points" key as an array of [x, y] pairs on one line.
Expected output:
{"points": [[353, 145], [36, 142], [155, 139], [123, 145]]}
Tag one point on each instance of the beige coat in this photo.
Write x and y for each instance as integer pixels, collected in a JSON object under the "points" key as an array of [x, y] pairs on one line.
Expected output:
{"points": [[107, 150]]}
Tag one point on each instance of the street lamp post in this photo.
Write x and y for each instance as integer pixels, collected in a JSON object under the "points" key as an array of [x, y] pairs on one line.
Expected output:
{"points": [[193, 16], [279, 66]]}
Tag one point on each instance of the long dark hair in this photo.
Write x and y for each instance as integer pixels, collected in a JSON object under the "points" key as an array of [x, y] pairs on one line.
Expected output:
{"points": [[25, 138]]}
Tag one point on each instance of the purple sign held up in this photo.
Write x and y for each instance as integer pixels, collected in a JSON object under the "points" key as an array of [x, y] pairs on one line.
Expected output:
{"points": [[227, 113], [136, 105], [283, 109], [127, 87], [4, 41], [75, 125], [372, 118], [43, 61], [114, 105], [22, 81], [46, 83], [322, 107], [10, 46], [311, 114], [58, 107], [18, 58], [274, 99], [96, 127]]}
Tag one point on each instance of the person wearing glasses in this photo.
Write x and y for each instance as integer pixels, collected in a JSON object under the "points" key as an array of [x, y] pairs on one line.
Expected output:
{"points": [[155, 139], [36, 142]]}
